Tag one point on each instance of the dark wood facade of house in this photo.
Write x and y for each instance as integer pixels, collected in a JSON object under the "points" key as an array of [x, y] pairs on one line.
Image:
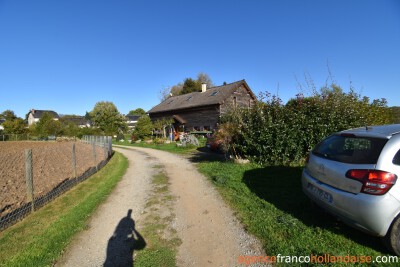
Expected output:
{"points": [[201, 111]]}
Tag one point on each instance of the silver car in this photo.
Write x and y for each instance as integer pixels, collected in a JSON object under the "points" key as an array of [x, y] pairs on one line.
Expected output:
{"points": [[353, 175]]}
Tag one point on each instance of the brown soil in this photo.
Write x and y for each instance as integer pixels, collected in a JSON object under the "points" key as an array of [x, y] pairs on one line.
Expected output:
{"points": [[52, 164]]}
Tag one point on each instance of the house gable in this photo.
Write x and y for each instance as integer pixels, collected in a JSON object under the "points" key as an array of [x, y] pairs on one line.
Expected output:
{"points": [[35, 115], [202, 110]]}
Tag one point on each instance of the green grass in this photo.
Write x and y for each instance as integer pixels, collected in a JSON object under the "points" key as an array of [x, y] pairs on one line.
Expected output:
{"points": [[162, 240], [172, 147], [40, 238], [270, 203]]}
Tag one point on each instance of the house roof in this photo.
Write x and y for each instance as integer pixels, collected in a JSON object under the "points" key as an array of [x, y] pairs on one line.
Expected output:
{"points": [[77, 120], [213, 96], [39, 113]]}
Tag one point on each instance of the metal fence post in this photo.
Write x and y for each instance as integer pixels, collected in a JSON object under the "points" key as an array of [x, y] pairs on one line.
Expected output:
{"points": [[94, 155], [29, 177]]}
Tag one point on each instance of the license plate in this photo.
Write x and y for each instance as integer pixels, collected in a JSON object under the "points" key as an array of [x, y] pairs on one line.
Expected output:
{"points": [[321, 194]]}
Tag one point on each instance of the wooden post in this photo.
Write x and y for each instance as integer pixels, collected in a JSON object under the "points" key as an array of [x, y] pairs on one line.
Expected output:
{"points": [[73, 161], [29, 177]]}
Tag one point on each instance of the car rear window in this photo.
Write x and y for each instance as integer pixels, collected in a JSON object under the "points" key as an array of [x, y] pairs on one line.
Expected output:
{"points": [[350, 149]]}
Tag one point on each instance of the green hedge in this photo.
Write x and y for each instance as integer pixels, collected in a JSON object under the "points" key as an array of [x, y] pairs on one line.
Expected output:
{"points": [[271, 133]]}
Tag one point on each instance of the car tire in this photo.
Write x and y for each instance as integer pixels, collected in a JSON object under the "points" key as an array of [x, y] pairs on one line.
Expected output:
{"points": [[392, 238]]}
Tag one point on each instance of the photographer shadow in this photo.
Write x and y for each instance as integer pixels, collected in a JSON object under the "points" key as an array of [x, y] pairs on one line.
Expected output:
{"points": [[123, 243]]}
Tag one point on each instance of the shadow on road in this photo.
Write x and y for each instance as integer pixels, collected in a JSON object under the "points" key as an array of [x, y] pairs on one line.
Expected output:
{"points": [[123, 243]]}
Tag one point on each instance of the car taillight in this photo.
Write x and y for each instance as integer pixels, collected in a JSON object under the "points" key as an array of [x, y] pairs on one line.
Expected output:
{"points": [[374, 182]]}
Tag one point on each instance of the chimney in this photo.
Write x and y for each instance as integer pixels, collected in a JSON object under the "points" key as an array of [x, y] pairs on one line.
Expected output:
{"points": [[33, 111], [203, 87]]}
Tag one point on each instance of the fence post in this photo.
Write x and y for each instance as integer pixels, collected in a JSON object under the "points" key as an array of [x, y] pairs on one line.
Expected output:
{"points": [[29, 177], [73, 161], [94, 155]]}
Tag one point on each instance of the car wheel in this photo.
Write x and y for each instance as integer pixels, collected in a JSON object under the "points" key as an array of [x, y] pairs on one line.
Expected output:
{"points": [[392, 238]]}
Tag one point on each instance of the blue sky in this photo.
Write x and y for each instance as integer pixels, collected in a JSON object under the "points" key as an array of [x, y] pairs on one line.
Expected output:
{"points": [[66, 55]]}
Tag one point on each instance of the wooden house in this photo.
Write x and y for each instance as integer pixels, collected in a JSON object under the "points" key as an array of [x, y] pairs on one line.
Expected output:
{"points": [[201, 111]]}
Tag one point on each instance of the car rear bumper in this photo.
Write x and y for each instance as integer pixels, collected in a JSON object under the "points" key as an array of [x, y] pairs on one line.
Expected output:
{"points": [[369, 213]]}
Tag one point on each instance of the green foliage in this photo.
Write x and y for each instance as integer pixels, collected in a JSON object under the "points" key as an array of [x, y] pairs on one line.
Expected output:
{"points": [[161, 125], [16, 126], [395, 114], [47, 126], [138, 111], [190, 86], [144, 128], [120, 137], [106, 116], [8, 115], [271, 133]]}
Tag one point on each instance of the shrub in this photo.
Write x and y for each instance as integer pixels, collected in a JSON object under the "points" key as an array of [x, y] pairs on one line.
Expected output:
{"points": [[271, 133]]}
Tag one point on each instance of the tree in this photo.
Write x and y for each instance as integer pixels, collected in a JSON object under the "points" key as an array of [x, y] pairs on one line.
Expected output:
{"points": [[190, 86], [138, 111], [204, 78], [106, 116], [143, 128], [47, 126], [161, 125], [16, 126], [8, 115]]}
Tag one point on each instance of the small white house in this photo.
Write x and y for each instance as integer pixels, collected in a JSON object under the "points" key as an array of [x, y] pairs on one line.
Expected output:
{"points": [[35, 115]]}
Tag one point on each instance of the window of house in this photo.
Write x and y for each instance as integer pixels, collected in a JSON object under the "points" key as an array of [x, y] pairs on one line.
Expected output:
{"points": [[214, 93], [207, 128], [196, 128]]}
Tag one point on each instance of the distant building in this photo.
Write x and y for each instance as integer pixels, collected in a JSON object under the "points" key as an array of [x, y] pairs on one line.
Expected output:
{"points": [[1, 124], [79, 121], [35, 115], [131, 120], [201, 111]]}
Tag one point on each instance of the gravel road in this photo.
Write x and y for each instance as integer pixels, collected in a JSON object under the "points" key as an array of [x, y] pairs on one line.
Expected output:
{"points": [[210, 234]]}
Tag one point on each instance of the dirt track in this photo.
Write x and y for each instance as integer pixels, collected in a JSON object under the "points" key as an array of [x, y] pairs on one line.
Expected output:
{"points": [[210, 234]]}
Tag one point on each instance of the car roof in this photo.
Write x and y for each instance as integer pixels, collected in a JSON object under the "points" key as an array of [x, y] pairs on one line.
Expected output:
{"points": [[381, 131]]}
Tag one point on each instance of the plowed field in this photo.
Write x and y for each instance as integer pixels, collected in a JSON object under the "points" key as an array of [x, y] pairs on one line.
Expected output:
{"points": [[52, 164]]}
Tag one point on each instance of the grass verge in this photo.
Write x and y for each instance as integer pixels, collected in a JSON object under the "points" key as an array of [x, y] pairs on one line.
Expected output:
{"points": [[271, 204], [172, 147], [40, 238], [162, 240]]}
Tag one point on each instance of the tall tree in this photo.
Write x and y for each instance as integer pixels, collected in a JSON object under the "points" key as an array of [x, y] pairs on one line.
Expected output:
{"points": [[143, 127], [106, 116], [190, 86], [204, 78]]}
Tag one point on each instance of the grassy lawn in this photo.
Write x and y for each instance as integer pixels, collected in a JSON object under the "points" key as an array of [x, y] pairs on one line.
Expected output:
{"points": [[270, 203], [172, 147], [39, 239]]}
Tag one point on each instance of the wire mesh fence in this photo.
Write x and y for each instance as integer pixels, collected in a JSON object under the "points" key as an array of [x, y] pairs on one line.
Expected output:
{"points": [[34, 173]]}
